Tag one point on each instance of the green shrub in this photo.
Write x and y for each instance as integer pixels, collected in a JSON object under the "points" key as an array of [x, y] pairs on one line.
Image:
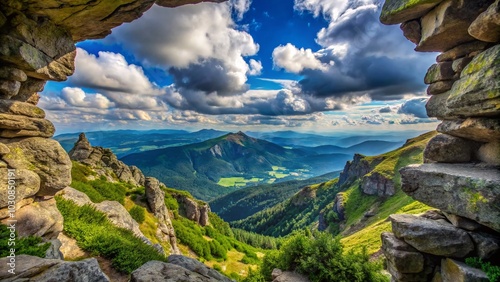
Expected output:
{"points": [[80, 172], [101, 190], [95, 234], [217, 267], [492, 271], [138, 213], [171, 203], [30, 245], [321, 258]]}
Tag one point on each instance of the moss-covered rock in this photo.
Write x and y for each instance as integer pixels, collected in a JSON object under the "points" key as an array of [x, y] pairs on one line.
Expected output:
{"points": [[398, 11], [477, 93]]}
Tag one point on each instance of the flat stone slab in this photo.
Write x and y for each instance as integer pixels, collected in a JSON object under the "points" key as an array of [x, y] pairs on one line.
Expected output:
{"points": [[432, 237], [398, 11], [452, 270], [468, 190]]}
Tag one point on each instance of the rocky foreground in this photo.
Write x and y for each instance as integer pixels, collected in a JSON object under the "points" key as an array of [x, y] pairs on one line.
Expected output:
{"points": [[461, 176]]}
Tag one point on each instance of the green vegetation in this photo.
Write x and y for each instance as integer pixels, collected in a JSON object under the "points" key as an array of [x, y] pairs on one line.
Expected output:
{"points": [[290, 215], [248, 201], [492, 271], [95, 234], [321, 258], [237, 181], [138, 213], [30, 245], [257, 240]]}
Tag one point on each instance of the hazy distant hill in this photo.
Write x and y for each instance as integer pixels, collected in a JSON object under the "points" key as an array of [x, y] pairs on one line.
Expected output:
{"points": [[124, 142]]}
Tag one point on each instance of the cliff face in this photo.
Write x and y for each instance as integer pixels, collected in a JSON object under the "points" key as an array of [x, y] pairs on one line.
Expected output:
{"points": [[460, 175]]}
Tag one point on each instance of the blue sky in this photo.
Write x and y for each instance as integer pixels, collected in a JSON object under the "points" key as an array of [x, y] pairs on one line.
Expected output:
{"points": [[306, 65]]}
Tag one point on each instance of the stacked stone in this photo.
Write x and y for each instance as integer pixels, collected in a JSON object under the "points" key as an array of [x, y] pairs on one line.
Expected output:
{"points": [[37, 43], [461, 174]]}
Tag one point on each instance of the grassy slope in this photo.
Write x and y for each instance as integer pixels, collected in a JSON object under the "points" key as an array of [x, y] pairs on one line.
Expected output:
{"points": [[359, 230], [80, 227], [248, 201]]}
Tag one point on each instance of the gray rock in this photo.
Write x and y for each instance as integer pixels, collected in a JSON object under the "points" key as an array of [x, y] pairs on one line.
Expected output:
{"points": [[289, 276], [139, 177], [30, 268], [486, 27], [356, 168], [26, 183], [439, 87], [120, 217], [12, 107], [490, 153], [412, 31], [477, 92], [439, 72], [156, 202], [377, 184], [403, 257], [53, 251], [28, 92], [196, 266], [487, 245], [82, 149], [462, 222], [339, 206], [276, 272], [10, 73], [74, 195], [9, 88], [398, 11], [429, 236], [168, 272], [43, 156], [41, 219], [433, 214], [452, 271], [463, 50], [458, 65], [69, 248], [16, 123], [466, 190], [477, 129], [445, 148], [446, 25]]}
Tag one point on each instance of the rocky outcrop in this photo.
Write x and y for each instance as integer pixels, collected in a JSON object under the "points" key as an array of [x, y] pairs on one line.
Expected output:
{"points": [[356, 168], [30, 268], [37, 43], [178, 269], [192, 209], [460, 174], [466, 190], [156, 201], [378, 184], [105, 162], [196, 266]]}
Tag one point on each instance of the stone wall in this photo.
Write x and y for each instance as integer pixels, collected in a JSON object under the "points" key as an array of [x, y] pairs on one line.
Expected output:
{"points": [[37, 43], [460, 175]]}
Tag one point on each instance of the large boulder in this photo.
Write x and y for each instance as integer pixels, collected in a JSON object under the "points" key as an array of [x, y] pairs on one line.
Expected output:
{"points": [[432, 237], [25, 184], [196, 266], [477, 129], [486, 27], [398, 11], [468, 190], [378, 184], [445, 148], [162, 271], [403, 257], [477, 92], [43, 156], [40, 218], [452, 270], [30, 268], [446, 25]]}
